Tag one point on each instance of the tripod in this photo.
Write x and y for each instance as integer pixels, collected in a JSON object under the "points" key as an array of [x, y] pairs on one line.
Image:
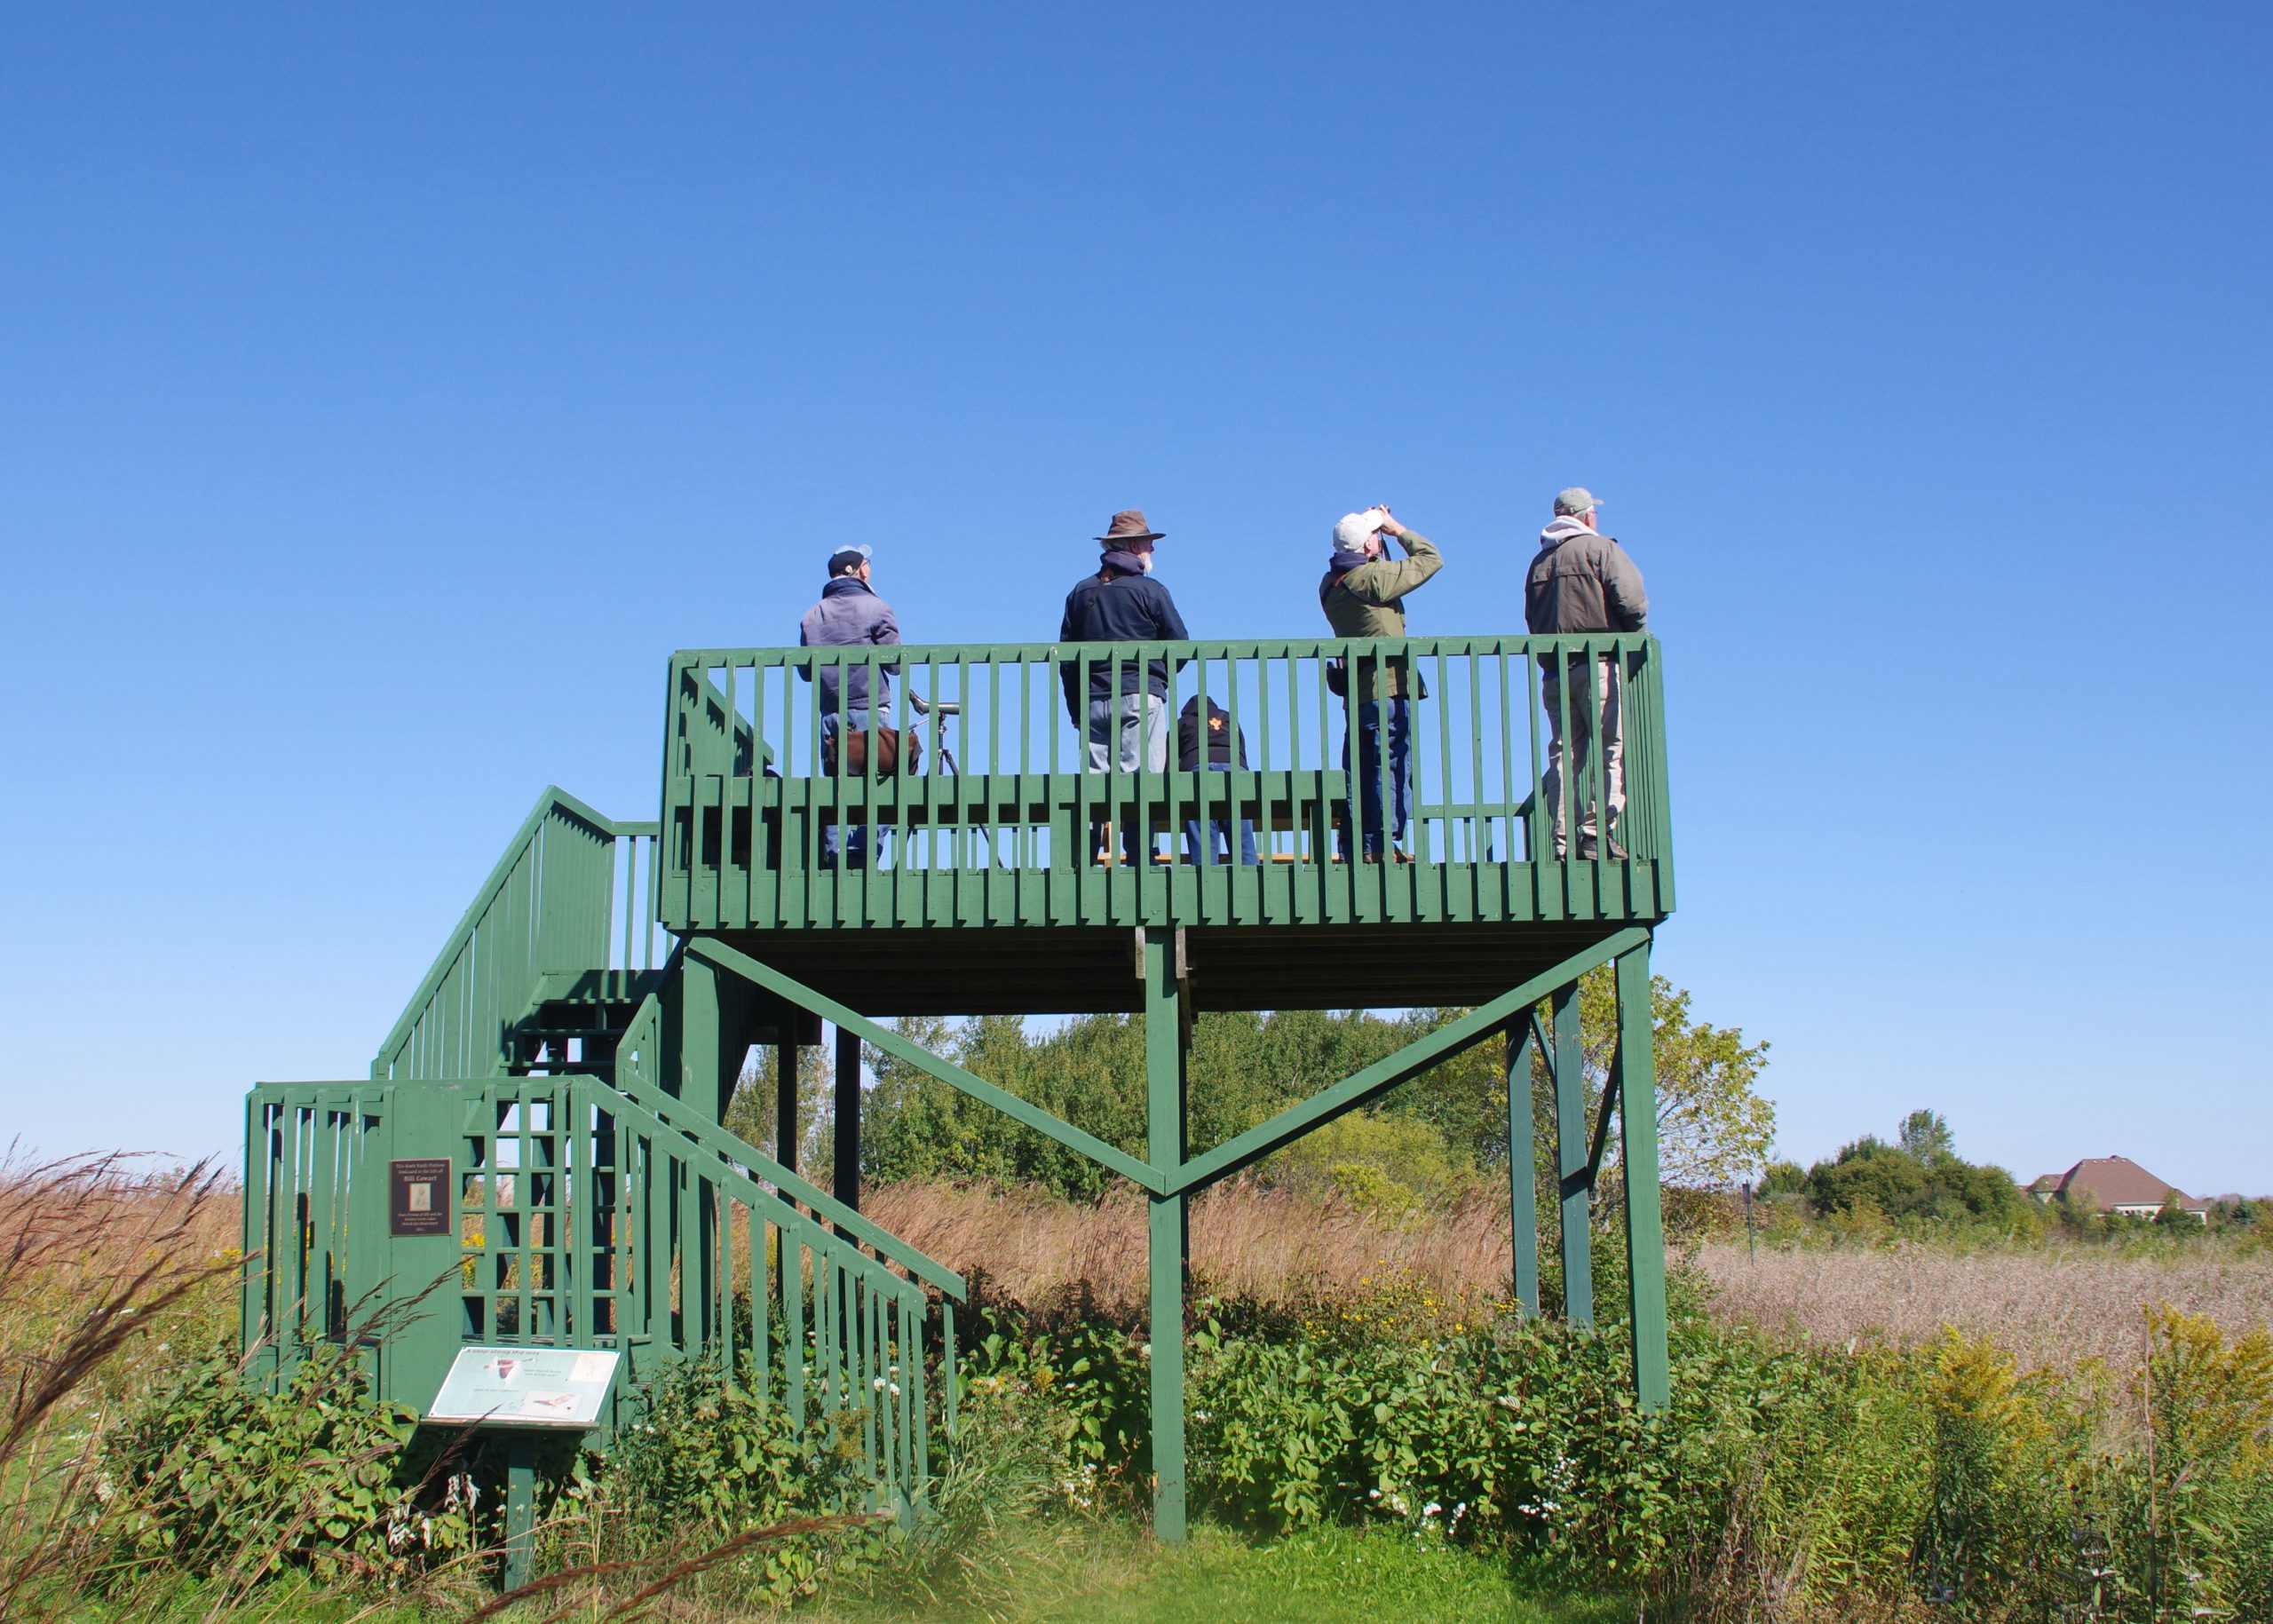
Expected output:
{"points": [[939, 713]]}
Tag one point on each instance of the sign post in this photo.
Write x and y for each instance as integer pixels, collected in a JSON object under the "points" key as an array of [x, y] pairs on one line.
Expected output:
{"points": [[522, 1393]]}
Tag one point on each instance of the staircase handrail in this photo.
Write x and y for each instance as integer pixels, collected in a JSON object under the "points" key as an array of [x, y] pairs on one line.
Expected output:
{"points": [[748, 1186], [730, 1147], [554, 800]]}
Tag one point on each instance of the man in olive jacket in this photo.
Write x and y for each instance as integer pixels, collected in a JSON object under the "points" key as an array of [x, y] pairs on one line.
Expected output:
{"points": [[1581, 581], [1363, 594]]}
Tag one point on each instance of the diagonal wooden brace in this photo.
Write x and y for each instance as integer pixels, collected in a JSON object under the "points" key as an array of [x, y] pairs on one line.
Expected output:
{"points": [[1454, 1038], [736, 962], [1585, 1178]]}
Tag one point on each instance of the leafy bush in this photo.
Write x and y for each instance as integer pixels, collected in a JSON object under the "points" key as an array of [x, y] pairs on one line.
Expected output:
{"points": [[1398, 1167], [219, 1477], [711, 1458], [1783, 1480]]}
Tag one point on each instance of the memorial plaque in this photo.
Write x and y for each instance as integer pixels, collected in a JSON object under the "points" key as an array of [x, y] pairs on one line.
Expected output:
{"points": [[418, 1197], [526, 1387]]}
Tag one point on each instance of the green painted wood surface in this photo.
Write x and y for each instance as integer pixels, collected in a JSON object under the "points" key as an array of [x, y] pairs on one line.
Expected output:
{"points": [[893, 1043], [1567, 1061], [609, 1208], [1004, 839], [1636, 1064], [582, 1216], [573, 894], [1523, 1188], [1165, 1230]]}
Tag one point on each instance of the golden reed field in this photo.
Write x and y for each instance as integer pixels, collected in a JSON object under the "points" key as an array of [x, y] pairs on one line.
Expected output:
{"points": [[2052, 1304]]}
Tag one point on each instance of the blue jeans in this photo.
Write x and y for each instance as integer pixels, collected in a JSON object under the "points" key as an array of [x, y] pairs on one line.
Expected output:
{"points": [[1369, 730], [1219, 829], [856, 844]]}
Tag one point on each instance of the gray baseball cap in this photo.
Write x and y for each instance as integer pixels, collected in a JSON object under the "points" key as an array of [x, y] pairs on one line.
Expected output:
{"points": [[1578, 499], [843, 556]]}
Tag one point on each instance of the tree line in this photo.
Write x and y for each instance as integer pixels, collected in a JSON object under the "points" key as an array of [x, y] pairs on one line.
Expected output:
{"points": [[1423, 1146]]}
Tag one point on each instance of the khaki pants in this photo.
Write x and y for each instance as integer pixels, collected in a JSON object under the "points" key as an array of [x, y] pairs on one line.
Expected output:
{"points": [[1588, 721], [1135, 730]]}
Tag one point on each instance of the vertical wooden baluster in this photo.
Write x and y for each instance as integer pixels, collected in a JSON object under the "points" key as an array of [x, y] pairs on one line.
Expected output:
{"points": [[793, 1322]]}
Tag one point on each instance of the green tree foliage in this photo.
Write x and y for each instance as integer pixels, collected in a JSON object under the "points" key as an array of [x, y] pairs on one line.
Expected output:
{"points": [[1714, 1127], [1419, 1145], [1396, 1165], [1090, 1072], [1925, 1135], [1714, 1130], [1784, 1179], [1896, 1182]]}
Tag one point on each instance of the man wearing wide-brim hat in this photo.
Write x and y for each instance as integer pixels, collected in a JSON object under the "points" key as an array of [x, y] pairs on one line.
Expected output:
{"points": [[1124, 703]]}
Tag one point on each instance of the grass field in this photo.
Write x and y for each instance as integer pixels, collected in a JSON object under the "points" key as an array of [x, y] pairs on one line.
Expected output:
{"points": [[1113, 1573], [108, 1278], [1091, 1573], [2052, 1305]]}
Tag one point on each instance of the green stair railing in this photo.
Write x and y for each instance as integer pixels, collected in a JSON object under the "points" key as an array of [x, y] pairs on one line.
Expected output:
{"points": [[574, 895], [588, 1214], [1009, 833]]}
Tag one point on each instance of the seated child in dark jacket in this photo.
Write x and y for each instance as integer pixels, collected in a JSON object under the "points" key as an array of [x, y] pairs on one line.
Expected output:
{"points": [[1206, 741]]}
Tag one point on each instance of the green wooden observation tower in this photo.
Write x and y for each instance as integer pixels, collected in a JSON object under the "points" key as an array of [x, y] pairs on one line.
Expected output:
{"points": [[538, 1155]]}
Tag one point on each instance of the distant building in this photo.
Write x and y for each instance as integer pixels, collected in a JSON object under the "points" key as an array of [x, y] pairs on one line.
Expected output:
{"points": [[2115, 1183]]}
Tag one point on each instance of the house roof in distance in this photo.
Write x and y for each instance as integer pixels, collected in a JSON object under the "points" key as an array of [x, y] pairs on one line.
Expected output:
{"points": [[2113, 1181]]}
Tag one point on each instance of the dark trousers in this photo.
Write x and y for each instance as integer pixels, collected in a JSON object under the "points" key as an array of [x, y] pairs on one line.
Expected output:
{"points": [[1219, 831], [1375, 718]]}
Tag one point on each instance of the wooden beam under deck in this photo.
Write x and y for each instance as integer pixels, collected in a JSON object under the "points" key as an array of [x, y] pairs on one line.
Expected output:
{"points": [[1065, 971]]}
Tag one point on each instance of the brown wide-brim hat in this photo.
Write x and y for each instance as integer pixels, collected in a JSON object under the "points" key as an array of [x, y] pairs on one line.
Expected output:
{"points": [[1129, 525]]}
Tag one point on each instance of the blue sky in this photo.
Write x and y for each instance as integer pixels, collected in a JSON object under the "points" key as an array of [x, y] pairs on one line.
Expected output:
{"points": [[387, 393]]}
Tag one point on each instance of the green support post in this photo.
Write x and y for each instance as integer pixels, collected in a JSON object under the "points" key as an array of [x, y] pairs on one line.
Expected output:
{"points": [[699, 1026], [1165, 1145], [1637, 1116], [785, 1103], [847, 1117], [1576, 1183], [520, 1508], [1522, 1192]]}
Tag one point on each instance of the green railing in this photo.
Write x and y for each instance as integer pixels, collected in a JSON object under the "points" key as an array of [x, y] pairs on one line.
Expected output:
{"points": [[1004, 820], [582, 1215], [573, 895]]}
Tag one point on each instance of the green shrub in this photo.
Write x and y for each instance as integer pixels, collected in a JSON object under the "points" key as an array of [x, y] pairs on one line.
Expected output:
{"points": [[1783, 1480], [711, 1459], [219, 1476], [1400, 1168]]}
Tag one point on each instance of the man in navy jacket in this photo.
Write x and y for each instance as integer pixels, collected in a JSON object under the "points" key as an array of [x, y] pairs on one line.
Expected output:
{"points": [[1126, 713]]}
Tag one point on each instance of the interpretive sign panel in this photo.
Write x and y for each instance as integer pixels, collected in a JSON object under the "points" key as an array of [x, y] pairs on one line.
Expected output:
{"points": [[418, 1197], [526, 1387]]}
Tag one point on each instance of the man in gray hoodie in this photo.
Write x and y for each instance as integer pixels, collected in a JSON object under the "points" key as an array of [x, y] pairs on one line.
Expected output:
{"points": [[1581, 581]]}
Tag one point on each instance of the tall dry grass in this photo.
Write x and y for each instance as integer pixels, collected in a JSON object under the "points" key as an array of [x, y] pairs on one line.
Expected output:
{"points": [[98, 1255], [2049, 1306], [1247, 1240]]}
